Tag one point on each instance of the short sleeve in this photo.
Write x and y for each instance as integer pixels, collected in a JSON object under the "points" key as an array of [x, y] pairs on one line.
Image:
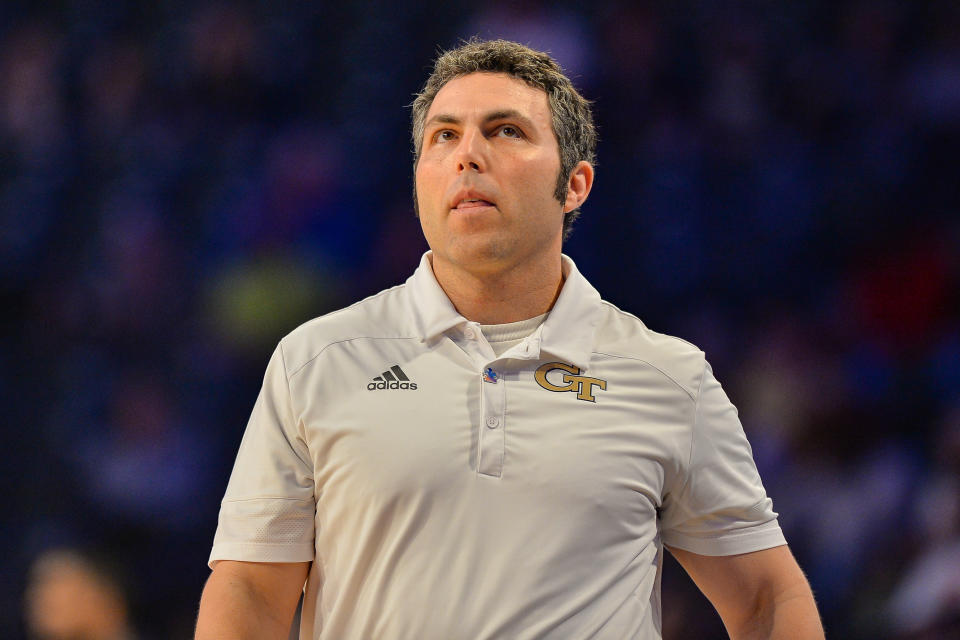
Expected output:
{"points": [[719, 506], [267, 514]]}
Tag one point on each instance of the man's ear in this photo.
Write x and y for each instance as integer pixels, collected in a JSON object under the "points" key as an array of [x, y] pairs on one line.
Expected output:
{"points": [[578, 186]]}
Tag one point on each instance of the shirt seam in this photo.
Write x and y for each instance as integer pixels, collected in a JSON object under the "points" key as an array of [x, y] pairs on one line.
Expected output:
{"points": [[301, 429], [286, 498], [280, 545], [337, 312], [335, 342], [693, 434], [757, 528], [630, 315], [755, 539], [286, 379], [656, 368]]}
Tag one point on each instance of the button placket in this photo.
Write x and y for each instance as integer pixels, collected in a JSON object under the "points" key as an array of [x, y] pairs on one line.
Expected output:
{"points": [[491, 440], [471, 340]]}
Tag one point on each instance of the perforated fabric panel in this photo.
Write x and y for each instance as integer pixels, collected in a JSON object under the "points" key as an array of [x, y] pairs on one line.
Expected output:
{"points": [[265, 530]]}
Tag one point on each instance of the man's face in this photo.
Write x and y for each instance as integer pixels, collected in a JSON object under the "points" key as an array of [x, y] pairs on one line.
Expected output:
{"points": [[487, 173]]}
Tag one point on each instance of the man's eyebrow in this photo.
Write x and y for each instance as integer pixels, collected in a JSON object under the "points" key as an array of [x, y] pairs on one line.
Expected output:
{"points": [[442, 118], [499, 114], [507, 114]]}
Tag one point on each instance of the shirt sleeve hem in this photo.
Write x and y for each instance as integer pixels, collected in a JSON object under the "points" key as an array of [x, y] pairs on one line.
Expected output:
{"points": [[259, 552], [732, 543]]}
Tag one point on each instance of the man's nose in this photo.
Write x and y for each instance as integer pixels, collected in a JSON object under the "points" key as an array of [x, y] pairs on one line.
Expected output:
{"points": [[471, 154]]}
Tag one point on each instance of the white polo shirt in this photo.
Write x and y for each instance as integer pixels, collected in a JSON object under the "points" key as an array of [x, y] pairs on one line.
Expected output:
{"points": [[443, 492]]}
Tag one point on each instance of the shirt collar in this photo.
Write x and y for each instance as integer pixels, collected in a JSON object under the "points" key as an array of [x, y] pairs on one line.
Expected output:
{"points": [[433, 313], [567, 333]]}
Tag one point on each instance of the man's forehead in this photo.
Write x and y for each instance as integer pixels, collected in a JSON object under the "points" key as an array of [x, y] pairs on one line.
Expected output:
{"points": [[484, 92]]}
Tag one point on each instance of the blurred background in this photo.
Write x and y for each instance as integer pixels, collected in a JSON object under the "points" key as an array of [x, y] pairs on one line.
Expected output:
{"points": [[182, 183]]}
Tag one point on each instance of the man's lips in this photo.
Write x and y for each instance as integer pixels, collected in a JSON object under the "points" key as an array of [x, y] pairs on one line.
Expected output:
{"points": [[467, 205], [468, 199]]}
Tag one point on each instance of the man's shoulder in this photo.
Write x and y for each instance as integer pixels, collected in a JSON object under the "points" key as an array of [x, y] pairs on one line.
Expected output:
{"points": [[623, 335], [384, 315]]}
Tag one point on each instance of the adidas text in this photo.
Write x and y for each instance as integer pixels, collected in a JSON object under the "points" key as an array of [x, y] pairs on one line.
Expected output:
{"points": [[392, 378], [383, 384]]}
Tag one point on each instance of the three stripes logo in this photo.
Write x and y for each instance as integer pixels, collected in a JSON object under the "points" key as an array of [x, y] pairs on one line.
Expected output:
{"points": [[393, 378]]}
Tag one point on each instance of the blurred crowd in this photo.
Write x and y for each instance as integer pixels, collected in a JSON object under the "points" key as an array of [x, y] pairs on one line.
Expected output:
{"points": [[182, 183]]}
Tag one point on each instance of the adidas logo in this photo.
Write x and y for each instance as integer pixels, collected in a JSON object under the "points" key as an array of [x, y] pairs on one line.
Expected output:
{"points": [[393, 378]]}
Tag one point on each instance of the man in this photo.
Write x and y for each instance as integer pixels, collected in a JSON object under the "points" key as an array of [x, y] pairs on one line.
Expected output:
{"points": [[490, 450]]}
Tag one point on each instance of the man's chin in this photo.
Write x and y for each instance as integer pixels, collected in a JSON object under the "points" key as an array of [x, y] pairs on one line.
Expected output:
{"points": [[478, 255]]}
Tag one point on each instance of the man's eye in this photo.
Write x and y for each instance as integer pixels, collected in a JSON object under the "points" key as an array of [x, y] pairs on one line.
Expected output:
{"points": [[510, 132], [444, 136]]}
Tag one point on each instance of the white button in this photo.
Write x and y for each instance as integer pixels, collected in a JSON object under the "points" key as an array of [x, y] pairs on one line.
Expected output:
{"points": [[493, 422], [469, 333]]}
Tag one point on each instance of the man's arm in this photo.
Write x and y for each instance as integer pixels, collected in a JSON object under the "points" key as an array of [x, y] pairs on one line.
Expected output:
{"points": [[759, 595], [250, 600]]}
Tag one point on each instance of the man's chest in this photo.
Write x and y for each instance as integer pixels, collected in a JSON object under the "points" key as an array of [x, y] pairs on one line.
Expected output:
{"points": [[409, 421]]}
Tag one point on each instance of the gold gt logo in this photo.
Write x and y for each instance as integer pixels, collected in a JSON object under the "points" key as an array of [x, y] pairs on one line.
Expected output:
{"points": [[572, 380]]}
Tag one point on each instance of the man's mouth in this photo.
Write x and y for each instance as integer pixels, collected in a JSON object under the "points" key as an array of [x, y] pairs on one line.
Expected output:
{"points": [[472, 203], [469, 199]]}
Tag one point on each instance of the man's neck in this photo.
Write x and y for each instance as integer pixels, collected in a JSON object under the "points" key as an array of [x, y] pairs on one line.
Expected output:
{"points": [[499, 297]]}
